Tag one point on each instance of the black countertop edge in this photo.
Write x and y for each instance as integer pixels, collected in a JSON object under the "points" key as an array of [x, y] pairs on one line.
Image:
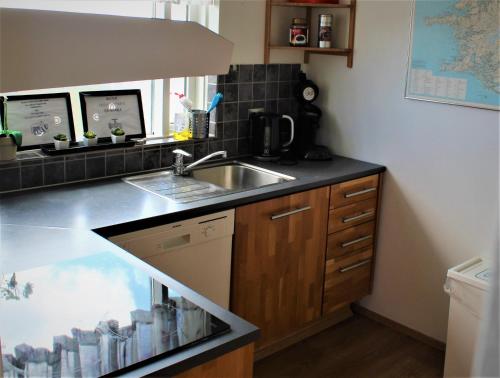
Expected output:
{"points": [[154, 369], [242, 198]]}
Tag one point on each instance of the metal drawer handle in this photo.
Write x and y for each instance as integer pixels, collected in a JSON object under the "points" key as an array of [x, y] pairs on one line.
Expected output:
{"points": [[356, 217], [358, 240], [354, 194], [354, 266], [291, 212]]}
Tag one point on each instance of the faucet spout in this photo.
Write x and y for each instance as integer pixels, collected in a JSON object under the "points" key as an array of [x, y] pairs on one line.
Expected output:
{"points": [[180, 169], [208, 157]]}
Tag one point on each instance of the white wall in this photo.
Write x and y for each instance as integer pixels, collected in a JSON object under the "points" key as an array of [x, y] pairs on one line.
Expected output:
{"points": [[243, 23], [440, 202]]}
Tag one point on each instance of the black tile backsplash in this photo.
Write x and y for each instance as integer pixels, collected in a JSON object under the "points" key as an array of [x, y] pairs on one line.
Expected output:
{"points": [[271, 90], [230, 130], [10, 179], [115, 162], [95, 167], [230, 111], [200, 150], [245, 92], [246, 73], [272, 72], [53, 173], [259, 91], [133, 160], [31, 176], [231, 92], [151, 158], [259, 72], [75, 169], [245, 87]]}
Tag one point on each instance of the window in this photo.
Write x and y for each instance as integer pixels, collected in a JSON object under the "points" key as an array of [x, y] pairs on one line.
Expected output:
{"points": [[159, 102]]}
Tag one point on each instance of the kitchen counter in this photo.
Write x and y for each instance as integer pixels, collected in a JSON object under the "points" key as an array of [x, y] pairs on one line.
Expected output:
{"points": [[68, 274], [50, 225], [112, 207]]}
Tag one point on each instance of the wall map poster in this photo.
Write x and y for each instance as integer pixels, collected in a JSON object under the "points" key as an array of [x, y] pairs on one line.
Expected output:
{"points": [[455, 53]]}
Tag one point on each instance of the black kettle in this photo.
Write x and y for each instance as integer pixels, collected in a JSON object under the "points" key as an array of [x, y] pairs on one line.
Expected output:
{"points": [[269, 134]]}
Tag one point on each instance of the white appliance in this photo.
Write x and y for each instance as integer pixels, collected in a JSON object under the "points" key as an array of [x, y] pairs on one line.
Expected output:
{"points": [[467, 285], [196, 252]]}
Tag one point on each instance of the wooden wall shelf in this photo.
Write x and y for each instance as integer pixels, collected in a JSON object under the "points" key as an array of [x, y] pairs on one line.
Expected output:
{"points": [[309, 5], [348, 52]]}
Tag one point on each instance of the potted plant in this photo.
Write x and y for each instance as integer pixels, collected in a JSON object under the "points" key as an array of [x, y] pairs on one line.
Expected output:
{"points": [[61, 142], [9, 139], [89, 138], [117, 135]]}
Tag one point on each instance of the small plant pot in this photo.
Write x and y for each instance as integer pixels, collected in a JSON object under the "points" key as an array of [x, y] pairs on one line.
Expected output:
{"points": [[89, 141], [61, 144], [117, 138], [8, 149]]}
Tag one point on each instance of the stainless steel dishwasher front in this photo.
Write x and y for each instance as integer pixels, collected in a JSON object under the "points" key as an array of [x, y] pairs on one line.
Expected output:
{"points": [[196, 252]]}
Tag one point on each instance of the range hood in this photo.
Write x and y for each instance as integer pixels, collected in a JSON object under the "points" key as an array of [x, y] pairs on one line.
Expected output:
{"points": [[42, 49]]}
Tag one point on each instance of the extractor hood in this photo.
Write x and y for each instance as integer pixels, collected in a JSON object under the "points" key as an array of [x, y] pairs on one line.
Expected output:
{"points": [[42, 49]]}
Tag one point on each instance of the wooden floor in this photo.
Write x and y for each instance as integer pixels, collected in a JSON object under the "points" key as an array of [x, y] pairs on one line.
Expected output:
{"points": [[357, 347]]}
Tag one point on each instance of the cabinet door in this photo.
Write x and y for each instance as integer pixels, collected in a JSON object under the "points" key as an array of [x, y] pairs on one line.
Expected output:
{"points": [[278, 262]]}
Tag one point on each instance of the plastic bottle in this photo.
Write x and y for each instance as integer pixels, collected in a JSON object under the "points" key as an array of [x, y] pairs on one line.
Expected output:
{"points": [[186, 102]]}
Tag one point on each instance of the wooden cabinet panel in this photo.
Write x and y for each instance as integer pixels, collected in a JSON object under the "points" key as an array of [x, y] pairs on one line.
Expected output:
{"points": [[235, 364], [349, 240], [347, 279], [352, 215], [352, 191], [278, 262]]}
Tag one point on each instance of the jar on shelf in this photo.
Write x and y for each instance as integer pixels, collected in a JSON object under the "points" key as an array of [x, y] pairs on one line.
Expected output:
{"points": [[299, 32], [325, 30]]}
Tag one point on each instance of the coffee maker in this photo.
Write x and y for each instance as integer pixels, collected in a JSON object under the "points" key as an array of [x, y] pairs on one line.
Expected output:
{"points": [[308, 122]]}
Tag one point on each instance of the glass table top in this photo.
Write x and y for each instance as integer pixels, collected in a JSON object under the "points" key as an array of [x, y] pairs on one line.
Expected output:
{"points": [[93, 316]]}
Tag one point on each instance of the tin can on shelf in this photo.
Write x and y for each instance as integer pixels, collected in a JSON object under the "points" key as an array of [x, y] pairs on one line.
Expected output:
{"points": [[299, 32], [325, 30]]}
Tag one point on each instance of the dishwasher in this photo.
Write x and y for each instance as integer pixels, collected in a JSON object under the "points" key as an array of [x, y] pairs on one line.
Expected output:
{"points": [[196, 252]]}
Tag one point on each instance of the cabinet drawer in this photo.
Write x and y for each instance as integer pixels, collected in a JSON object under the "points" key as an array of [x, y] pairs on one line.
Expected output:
{"points": [[352, 215], [347, 279], [350, 240], [353, 191]]}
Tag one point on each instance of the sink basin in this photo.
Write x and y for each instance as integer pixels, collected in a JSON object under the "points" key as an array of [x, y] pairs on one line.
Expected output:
{"points": [[207, 182]]}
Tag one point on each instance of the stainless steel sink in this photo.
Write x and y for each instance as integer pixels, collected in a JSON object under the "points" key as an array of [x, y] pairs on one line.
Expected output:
{"points": [[207, 182]]}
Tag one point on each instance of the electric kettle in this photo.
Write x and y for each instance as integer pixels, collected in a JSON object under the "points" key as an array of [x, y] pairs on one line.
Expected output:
{"points": [[270, 134]]}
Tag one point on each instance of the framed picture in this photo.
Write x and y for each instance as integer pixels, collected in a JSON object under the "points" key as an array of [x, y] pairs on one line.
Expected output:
{"points": [[1, 112], [40, 117], [105, 110]]}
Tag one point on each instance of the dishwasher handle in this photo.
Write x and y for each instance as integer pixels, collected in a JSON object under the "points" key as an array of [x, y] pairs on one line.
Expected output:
{"points": [[175, 242]]}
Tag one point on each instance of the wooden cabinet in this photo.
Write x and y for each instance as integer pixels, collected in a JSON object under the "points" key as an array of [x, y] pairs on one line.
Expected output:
{"points": [[235, 364], [279, 262], [351, 240], [300, 260]]}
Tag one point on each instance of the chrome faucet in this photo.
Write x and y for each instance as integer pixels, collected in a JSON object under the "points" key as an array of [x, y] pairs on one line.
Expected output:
{"points": [[180, 169]]}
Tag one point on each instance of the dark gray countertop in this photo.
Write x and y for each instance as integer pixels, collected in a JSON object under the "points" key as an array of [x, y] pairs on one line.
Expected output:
{"points": [[46, 225], [115, 207]]}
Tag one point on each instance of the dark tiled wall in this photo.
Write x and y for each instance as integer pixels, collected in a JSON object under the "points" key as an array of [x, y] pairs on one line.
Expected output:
{"points": [[244, 87], [41, 171]]}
